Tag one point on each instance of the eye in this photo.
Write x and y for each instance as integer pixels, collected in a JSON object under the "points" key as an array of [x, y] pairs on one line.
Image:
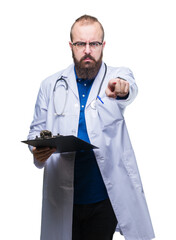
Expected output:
{"points": [[80, 44], [94, 44]]}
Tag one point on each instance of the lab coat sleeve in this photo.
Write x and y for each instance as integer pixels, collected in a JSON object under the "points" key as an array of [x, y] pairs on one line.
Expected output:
{"points": [[39, 119], [126, 74]]}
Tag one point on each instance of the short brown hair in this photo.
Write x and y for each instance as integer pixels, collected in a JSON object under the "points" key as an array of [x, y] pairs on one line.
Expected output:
{"points": [[86, 19]]}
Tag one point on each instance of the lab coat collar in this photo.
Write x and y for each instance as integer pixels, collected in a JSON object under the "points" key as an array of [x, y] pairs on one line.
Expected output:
{"points": [[69, 76]]}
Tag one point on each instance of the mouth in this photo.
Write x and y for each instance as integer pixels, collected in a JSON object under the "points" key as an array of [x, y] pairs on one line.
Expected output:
{"points": [[87, 60]]}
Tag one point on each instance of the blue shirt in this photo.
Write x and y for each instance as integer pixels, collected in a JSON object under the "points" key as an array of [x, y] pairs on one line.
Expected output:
{"points": [[88, 183]]}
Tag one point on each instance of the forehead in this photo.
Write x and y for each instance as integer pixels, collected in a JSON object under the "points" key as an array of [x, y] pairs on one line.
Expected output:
{"points": [[87, 32]]}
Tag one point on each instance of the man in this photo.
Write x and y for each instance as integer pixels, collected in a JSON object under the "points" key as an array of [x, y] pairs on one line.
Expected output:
{"points": [[88, 195]]}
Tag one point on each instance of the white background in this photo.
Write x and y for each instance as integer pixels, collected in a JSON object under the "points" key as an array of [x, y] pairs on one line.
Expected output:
{"points": [[34, 44]]}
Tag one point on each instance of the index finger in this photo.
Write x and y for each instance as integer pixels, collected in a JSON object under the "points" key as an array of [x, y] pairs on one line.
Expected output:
{"points": [[40, 149]]}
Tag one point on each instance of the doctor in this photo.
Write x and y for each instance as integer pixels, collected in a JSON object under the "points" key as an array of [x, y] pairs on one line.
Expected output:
{"points": [[87, 195]]}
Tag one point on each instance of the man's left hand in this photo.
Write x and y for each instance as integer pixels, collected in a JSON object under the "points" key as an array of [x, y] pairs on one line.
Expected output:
{"points": [[117, 88]]}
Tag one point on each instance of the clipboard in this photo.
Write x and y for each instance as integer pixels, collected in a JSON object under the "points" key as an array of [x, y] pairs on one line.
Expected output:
{"points": [[62, 143]]}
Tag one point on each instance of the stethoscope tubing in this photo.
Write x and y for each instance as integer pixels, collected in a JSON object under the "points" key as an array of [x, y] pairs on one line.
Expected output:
{"points": [[102, 80]]}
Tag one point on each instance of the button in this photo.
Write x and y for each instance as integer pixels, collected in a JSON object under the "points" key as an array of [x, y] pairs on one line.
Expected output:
{"points": [[102, 160], [82, 106], [76, 105], [85, 84], [83, 95]]}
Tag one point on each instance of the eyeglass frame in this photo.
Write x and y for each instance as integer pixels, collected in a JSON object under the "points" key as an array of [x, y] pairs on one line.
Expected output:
{"points": [[81, 47]]}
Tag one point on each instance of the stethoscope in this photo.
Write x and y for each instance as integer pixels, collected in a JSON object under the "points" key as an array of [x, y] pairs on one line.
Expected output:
{"points": [[63, 84]]}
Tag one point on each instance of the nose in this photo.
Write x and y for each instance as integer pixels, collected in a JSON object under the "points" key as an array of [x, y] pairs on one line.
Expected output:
{"points": [[87, 49]]}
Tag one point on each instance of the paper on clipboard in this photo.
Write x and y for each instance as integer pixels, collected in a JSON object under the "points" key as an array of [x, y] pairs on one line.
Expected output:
{"points": [[61, 143]]}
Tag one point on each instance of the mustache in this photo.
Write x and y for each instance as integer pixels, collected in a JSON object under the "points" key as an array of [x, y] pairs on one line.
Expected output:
{"points": [[87, 56]]}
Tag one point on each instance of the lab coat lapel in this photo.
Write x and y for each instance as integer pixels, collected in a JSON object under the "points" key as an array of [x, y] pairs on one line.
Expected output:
{"points": [[96, 85]]}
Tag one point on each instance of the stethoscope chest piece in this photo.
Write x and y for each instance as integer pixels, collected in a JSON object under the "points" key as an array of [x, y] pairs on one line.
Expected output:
{"points": [[93, 104]]}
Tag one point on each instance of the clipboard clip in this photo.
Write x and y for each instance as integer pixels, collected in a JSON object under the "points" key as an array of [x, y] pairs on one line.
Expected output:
{"points": [[45, 134]]}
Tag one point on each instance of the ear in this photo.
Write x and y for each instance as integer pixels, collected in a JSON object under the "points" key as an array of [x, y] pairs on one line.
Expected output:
{"points": [[104, 43], [70, 44]]}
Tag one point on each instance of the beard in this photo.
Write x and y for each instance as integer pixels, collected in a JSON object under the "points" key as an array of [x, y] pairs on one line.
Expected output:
{"points": [[87, 70]]}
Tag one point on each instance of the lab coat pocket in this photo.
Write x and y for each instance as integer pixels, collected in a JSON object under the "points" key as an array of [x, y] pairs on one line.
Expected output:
{"points": [[109, 112], [129, 162]]}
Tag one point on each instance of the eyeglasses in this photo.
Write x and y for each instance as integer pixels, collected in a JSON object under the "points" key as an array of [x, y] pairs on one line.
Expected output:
{"points": [[82, 45]]}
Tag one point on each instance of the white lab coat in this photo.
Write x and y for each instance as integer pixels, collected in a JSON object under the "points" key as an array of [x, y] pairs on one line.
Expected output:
{"points": [[115, 157]]}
